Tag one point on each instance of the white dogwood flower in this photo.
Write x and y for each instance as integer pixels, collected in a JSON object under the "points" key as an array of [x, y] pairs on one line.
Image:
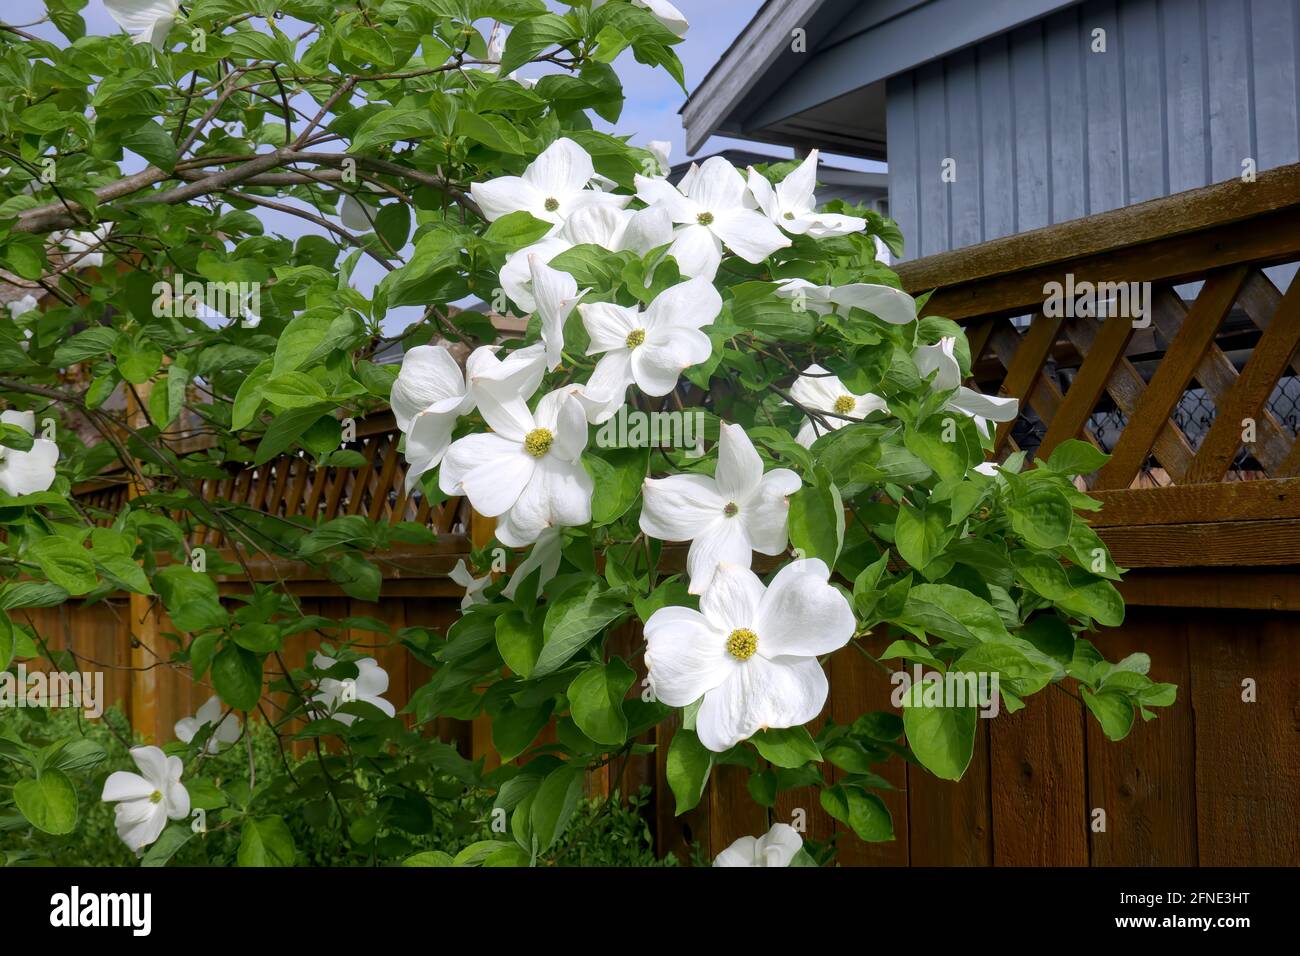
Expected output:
{"points": [[431, 393], [224, 732], [148, 799], [750, 651], [369, 685], [556, 294], [884, 302], [777, 847], [149, 21], [609, 227], [725, 517], [653, 347], [527, 472], [82, 246], [818, 390], [26, 472], [713, 211], [792, 206], [661, 149], [474, 587], [940, 360], [552, 188]]}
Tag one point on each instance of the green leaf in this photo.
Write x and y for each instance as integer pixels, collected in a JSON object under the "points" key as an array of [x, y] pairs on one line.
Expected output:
{"points": [[265, 841], [1071, 589], [49, 802], [553, 806], [1074, 457], [948, 443], [285, 430], [1041, 515], [237, 677], [173, 837], [1113, 711], [942, 738], [865, 813], [688, 766], [571, 622], [617, 474], [920, 536], [190, 598], [519, 642], [596, 701], [787, 746], [7, 642], [65, 563], [89, 344], [151, 141], [817, 520], [293, 390], [531, 37]]}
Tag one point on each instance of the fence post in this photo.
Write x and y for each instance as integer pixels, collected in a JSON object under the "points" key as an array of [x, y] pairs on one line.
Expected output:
{"points": [[142, 618]]}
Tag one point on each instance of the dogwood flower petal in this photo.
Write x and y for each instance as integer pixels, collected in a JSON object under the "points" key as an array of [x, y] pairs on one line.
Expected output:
{"points": [[429, 374], [884, 302], [725, 541], [733, 598], [556, 294], [940, 360], [680, 507], [740, 469], [993, 407], [489, 469], [544, 557], [767, 512], [762, 694], [149, 21], [778, 847], [473, 586], [27, 472], [697, 252], [801, 614], [516, 275]]}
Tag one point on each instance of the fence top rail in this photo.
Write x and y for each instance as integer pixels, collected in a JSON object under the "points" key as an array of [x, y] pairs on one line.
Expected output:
{"points": [[1183, 213]]}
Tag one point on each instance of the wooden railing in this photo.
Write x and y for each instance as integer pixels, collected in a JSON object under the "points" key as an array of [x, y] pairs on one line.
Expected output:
{"points": [[1214, 486]]}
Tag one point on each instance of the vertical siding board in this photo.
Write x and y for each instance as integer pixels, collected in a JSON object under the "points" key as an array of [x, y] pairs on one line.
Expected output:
{"points": [[1066, 47], [961, 83], [932, 134], [1102, 75], [951, 823], [904, 169], [1185, 95], [1144, 106], [1228, 56], [1273, 42], [997, 161], [1030, 81]]}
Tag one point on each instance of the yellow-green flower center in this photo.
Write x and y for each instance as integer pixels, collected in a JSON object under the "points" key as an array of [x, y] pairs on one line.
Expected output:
{"points": [[635, 338], [789, 215], [538, 442], [742, 643], [704, 218], [551, 204], [845, 404], [731, 510], [155, 797]]}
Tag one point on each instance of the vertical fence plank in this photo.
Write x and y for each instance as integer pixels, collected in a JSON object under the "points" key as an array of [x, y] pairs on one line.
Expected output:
{"points": [[857, 687], [951, 824], [1146, 783], [1247, 754], [1036, 763]]}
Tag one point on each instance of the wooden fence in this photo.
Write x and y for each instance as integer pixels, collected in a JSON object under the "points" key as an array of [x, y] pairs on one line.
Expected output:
{"points": [[1209, 523]]}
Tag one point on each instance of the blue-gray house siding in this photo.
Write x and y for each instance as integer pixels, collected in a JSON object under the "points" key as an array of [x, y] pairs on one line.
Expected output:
{"points": [[1043, 130]]}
